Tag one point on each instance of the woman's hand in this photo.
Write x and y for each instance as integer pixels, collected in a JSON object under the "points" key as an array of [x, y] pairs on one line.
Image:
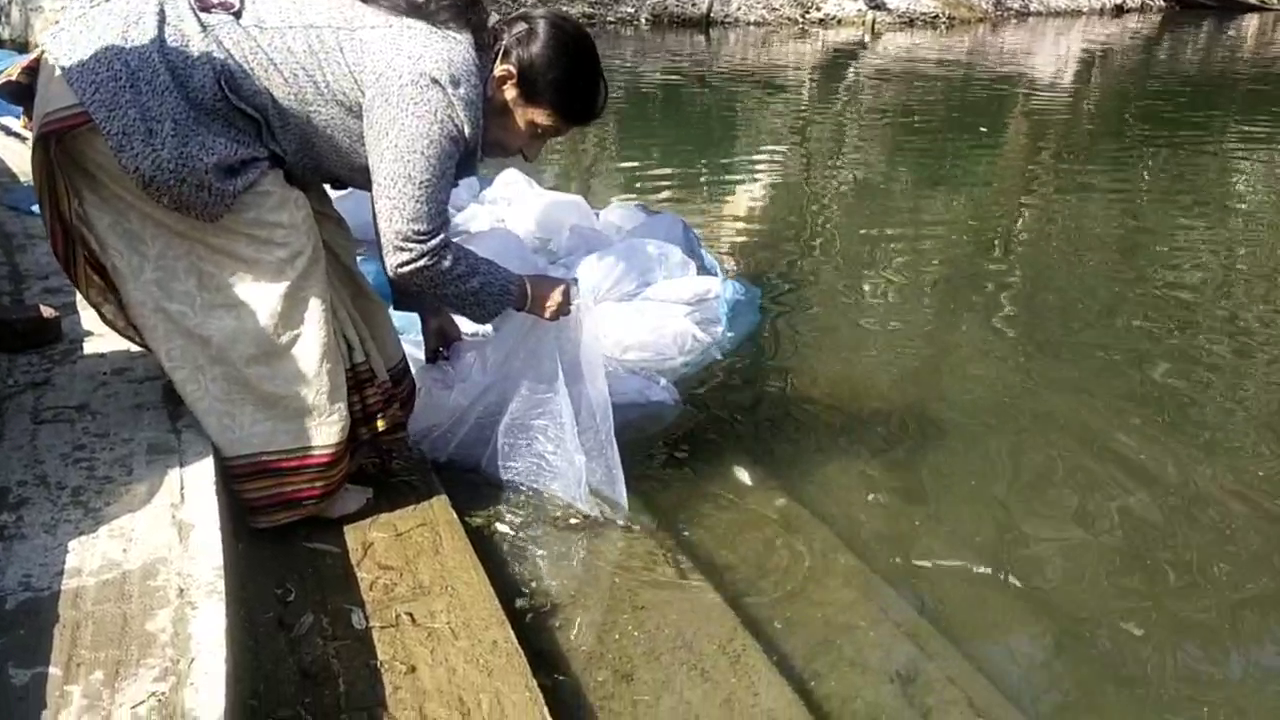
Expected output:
{"points": [[439, 333], [546, 297]]}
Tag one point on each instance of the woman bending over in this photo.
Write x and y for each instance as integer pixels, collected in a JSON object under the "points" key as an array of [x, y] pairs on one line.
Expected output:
{"points": [[180, 149]]}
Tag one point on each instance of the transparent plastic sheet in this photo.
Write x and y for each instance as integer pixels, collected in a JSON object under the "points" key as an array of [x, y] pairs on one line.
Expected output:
{"points": [[522, 400], [529, 405]]}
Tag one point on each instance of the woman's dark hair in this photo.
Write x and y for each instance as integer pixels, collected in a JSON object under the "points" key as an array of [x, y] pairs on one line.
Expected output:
{"points": [[557, 64]]}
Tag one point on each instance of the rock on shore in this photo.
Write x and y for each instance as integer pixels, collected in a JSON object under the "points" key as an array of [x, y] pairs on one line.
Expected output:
{"points": [[813, 12], [23, 20]]}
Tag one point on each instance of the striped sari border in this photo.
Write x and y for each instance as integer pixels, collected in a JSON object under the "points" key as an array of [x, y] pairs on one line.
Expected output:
{"points": [[278, 487]]}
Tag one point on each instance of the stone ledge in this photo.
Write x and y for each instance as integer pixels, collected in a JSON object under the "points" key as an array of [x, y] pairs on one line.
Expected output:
{"points": [[112, 600], [785, 13], [390, 616], [23, 21]]}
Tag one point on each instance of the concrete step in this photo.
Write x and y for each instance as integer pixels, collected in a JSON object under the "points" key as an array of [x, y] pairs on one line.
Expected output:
{"points": [[739, 604], [389, 616], [111, 572]]}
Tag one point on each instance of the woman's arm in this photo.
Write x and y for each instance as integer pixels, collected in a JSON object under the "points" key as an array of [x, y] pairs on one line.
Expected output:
{"points": [[414, 139], [439, 331]]}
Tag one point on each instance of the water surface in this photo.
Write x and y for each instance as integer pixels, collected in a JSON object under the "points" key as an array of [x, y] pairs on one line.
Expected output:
{"points": [[1020, 342]]}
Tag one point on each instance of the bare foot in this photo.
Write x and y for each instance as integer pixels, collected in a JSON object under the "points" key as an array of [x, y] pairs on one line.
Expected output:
{"points": [[28, 327]]}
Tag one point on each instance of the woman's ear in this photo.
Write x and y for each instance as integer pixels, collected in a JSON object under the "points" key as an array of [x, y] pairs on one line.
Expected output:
{"points": [[504, 81]]}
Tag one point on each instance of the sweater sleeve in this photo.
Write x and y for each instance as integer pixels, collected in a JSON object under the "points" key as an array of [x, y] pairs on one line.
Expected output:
{"points": [[414, 140]]}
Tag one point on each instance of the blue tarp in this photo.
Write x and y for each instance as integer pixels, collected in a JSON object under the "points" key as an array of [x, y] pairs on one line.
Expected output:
{"points": [[7, 58], [22, 197]]}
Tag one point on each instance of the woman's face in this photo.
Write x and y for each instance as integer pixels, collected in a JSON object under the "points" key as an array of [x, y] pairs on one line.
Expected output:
{"points": [[511, 126]]}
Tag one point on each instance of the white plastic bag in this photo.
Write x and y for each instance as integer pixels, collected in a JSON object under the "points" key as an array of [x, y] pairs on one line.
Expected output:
{"points": [[580, 242], [474, 218], [633, 388], [540, 216], [670, 228], [626, 268], [508, 186], [356, 208], [466, 192], [687, 290], [656, 337], [507, 249], [619, 217]]}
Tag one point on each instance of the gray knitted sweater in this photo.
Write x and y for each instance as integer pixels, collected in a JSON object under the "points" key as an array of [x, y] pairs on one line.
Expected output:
{"points": [[197, 104]]}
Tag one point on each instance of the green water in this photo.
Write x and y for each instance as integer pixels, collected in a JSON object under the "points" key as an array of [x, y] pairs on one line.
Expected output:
{"points": [[1020, 341]]}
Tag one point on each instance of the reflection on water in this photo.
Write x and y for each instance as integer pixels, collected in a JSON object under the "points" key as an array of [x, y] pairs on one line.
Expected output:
{"points": [[1020, 350]]}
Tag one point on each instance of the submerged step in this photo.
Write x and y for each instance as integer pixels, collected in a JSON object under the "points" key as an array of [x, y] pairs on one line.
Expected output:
{"points": [[619, 624], [853, 646]]}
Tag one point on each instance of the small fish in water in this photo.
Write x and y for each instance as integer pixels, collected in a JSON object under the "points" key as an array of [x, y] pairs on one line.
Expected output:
{"points": [[971, 567], [285, 593], [1133, 629], [743, 476], [304, 624], [358, 619]]}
